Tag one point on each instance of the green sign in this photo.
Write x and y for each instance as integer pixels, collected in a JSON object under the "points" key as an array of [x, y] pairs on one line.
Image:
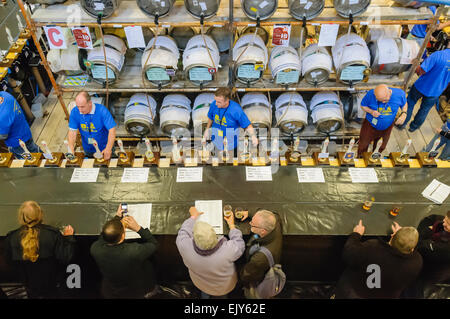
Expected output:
{"points": [[288, 77], [200, 74], [248, 71], [353, 73], [98, 72], [157, 74]]}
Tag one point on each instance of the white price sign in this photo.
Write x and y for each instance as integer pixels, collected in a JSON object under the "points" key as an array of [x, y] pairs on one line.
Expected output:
{"points": [[254, 174]]}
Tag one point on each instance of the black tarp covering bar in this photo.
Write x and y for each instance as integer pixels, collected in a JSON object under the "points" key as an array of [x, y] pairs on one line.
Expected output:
{"points": [[331, 208]]}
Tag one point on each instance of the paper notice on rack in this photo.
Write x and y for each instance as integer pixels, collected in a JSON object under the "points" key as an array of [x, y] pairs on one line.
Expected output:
{"points": [[82, 37], [328, 34], [188, 175], [409, 51], [135, 175], [310, 175], [212, 213], [254, 174], [85, 175], [436, 192], [363, 175], [142, 213], [387, 51], [135, 37], [281, 34], [55, 37]]}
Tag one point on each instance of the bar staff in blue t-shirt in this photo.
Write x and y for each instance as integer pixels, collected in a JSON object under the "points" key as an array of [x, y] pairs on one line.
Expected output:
{"points": [[434, 77], [14, 126], [94, 122], [381, 106], [225, 117]]}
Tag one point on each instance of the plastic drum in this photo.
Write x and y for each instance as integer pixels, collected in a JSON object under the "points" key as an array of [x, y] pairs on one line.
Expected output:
{"points": [[316, 64], [165, 54], [115, 49], [326, 112], [197, 62], [308, 9], [249, 52], [199, 8], [282, 59], [355, 7], [139, 114], [291, 113], [153, 8], [393, 47], [351, 58], [175, 113], [258, 109], [96, 7], [263, 9], [201, 108]]}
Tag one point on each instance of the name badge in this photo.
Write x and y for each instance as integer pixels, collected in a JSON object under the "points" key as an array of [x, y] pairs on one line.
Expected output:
{"points": [[220, 133], [374, 121], [90, 140]]}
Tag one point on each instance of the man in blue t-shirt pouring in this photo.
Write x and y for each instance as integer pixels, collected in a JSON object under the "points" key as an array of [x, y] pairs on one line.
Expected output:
{"points": [[225, 117], [381, 106], [95, 124], [14, 127]]}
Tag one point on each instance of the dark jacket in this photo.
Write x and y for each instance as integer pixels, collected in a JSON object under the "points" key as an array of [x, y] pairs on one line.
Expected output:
{"points": [[253, 272], [436, 254], [397, 270], [55, 250], [126, 268]]}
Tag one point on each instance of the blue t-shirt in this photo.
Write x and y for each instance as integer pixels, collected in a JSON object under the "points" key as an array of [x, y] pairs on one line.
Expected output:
{"points": [[437, 76], [420, 30], [388, 110], [100, 122], [12, 121], [226, 122]]}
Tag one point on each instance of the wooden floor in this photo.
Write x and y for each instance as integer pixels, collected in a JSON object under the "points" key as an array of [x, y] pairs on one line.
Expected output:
{"points": [[53, 128]]}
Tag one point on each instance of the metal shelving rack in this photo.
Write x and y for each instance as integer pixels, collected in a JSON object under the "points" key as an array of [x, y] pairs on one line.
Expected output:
{"points": [[231, 16]]}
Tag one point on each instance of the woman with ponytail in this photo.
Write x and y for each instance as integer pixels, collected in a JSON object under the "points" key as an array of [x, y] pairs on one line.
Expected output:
{"points": [[38, 250]]}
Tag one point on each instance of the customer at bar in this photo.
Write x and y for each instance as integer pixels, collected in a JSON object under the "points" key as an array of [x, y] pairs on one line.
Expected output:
{"points": [[14, 126], [379, 269], [39, 251], [443, 133], [94, 122], [267, 232], [225, 117], [434, 246], [381, 106], [210, 259], [125, 266], [434, 76]]}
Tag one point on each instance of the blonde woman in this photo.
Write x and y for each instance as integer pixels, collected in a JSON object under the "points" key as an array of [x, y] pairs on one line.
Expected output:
{"points": [[37, 249]]}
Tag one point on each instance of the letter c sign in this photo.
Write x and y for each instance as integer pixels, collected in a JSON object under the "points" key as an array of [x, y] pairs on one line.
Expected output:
{"points": [[55, 37]]}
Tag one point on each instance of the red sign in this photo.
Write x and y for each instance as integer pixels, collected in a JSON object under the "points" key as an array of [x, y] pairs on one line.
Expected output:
{"points": [[281, 34], [83, 37]]}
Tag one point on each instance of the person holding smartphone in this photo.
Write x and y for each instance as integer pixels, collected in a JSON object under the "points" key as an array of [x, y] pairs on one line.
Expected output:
{"points": [[125, 266]]}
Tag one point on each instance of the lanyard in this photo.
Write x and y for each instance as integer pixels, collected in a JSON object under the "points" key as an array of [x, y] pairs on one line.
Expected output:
{"points": [[223, 116]]}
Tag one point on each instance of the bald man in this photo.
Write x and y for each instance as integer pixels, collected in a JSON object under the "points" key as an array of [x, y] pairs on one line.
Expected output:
{"points": [[381, 106], [94, 122]]}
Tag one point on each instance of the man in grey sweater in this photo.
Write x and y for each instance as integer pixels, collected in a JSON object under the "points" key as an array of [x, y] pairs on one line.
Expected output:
{"points": [[210, 260]]}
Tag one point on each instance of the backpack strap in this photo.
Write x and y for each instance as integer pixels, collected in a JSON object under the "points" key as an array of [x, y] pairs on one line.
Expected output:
{"points": [[268, 254]]}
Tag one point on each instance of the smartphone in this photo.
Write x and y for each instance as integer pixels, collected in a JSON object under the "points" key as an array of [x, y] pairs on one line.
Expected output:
{"points": [[124, 207]]}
